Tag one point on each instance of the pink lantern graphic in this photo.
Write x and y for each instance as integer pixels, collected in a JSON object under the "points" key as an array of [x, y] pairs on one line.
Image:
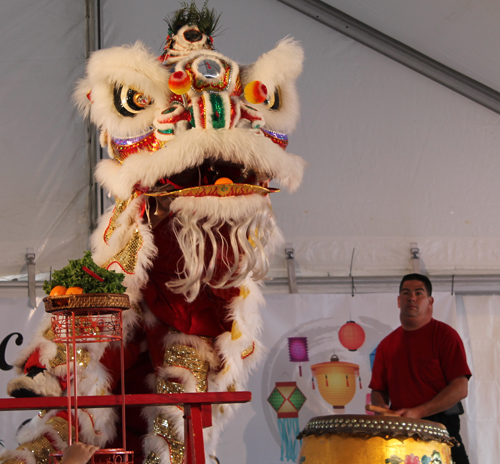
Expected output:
{"points": [[351, 336], [297, 350]]}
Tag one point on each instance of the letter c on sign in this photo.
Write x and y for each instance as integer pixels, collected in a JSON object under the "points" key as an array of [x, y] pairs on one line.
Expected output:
{"points": [[3, 346]]}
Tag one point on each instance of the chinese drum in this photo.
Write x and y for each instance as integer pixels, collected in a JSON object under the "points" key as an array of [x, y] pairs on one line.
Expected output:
{"points": [[367, 439]]}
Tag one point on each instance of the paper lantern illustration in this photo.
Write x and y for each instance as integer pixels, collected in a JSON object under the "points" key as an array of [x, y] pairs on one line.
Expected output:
{"points": [[297, 350], [351, 335], [336, 382], [287, 399], [372, 357]]}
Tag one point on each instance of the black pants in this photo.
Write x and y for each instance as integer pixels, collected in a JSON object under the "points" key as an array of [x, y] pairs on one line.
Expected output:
{"points": [[452, 423]]}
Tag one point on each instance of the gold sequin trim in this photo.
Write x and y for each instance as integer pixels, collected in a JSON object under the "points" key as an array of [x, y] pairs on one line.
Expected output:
{"points": [[120, 207], [244, 291], [82, 354], [14, 461], [162, 428], [165, 386], [235, 332], [60, 425], [41, 448], [152, 458], [126, 258], [188, 358], [137, 309], [248, 351]]}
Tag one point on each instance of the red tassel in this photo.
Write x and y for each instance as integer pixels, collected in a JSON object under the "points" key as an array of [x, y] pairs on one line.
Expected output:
{"points": [[360, 386], [300, 370], [92, 274], [326, 378], [347, 380]]}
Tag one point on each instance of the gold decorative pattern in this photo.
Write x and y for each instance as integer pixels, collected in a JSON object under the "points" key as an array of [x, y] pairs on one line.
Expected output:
{"points": [[126, 258], [162, 428], [188, 358], [165, 386], [235, 331], [137, 309], [152, 458], [219, 190], [248, 351], [60, 426], [82, 356], [120, 207], [244, 291], [41, 449]]}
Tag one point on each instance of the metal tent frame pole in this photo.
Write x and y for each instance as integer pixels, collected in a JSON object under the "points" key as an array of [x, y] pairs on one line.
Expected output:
{"points": [[407, 56], [94, 152]]}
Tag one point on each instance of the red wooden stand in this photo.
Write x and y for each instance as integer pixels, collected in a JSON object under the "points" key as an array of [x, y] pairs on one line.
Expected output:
{"points": [[103, 324], [76, 322], [197, 410]]}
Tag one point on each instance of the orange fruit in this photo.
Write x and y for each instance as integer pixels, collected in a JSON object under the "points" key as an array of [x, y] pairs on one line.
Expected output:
{"points": [[223, 180], [58, 290], [74, 291]]}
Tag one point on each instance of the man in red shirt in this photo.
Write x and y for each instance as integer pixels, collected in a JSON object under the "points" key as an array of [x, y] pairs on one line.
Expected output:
{"points": [[420, 369]]}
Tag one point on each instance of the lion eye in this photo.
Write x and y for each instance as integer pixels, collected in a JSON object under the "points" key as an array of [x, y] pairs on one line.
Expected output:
{"points": [[193, 35], [274, 101], [128, 101]]}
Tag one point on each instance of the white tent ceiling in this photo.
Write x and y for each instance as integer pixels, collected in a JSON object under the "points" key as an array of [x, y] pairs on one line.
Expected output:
{"points": [[462, 34], [393, 157], [45, 175]]}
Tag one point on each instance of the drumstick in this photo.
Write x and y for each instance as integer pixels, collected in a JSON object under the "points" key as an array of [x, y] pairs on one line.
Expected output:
{"points": [[379, 410]]}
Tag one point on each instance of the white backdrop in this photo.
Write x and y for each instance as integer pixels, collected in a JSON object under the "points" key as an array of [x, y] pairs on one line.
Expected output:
{"points": [[252, 436]]}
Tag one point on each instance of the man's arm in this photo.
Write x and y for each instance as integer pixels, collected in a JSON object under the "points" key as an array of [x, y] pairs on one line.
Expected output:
{"points": [[455, 391], [380, 399]]}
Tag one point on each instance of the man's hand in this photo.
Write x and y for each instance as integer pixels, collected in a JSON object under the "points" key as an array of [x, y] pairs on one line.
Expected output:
{"points": [[78, 453], [413, 413], [380, 399]]}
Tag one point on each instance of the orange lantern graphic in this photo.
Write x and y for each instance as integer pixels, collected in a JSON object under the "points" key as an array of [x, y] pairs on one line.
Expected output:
{"points": [[336, 382]]}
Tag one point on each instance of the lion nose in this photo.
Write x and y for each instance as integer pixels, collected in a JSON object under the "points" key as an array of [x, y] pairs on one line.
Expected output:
{"points": [[193, 35]]}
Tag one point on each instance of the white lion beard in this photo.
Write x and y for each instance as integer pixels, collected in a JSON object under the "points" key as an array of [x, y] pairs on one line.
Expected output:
{"points": [[253, 234]]}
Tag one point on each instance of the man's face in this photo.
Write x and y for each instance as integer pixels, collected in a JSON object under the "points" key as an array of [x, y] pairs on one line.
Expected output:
{"points": [[415, 305]]}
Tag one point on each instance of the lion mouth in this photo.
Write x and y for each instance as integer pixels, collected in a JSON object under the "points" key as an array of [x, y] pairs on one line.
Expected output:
{"points": [[212, 177]]}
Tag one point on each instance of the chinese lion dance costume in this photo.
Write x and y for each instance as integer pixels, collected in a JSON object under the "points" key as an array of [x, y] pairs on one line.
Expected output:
{"points": [[194, 140]]}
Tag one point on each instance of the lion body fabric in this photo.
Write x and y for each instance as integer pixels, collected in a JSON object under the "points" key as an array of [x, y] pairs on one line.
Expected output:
{"points": [[191, 229]]}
